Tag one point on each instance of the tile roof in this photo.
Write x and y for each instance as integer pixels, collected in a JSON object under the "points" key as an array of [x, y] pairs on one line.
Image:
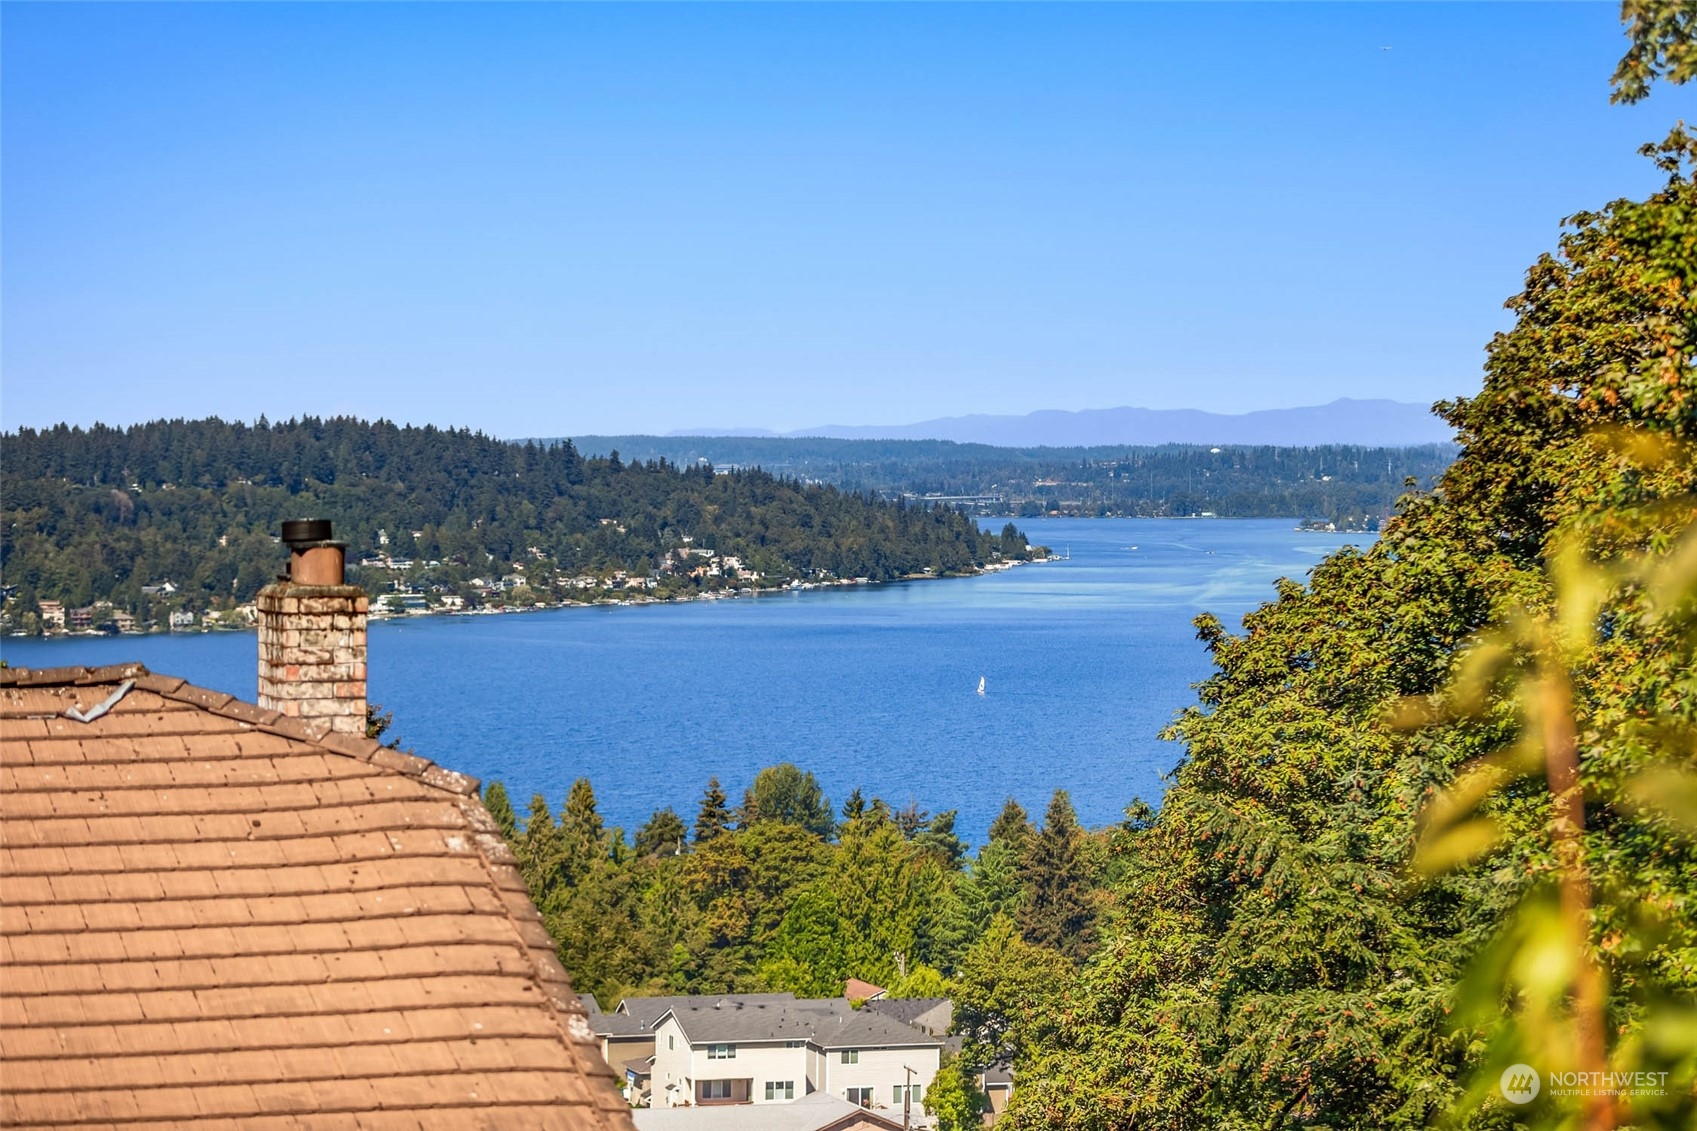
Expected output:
{"points": [[214, 919], [858, 990]]}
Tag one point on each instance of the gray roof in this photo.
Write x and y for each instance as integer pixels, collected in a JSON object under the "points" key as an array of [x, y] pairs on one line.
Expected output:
{"points": [[826, 1022], [649, 1010], [589, 1002], [909, 1010], [811, 1112], [862, 1028], [615, 1025]]}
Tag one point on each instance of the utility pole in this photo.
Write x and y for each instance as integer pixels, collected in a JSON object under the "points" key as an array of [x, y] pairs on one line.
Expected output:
{"points": [[907, 1100]]}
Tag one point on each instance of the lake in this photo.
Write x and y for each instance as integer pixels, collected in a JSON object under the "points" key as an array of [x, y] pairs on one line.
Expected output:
{"points": [[1083, 661]]}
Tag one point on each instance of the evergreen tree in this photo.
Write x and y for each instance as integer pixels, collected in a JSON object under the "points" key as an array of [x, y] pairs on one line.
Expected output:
{"points": [[714, 819], [854, 806], [501, 810], [939, 839], [583, 840], [1012, 826], [539, 850], [1057, 876], [663, 835]]}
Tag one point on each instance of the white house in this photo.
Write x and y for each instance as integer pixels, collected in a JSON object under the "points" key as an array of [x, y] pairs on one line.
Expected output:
{"points": [[735, 1050]]}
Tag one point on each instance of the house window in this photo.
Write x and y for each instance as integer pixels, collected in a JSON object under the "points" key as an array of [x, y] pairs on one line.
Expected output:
{"points": [[715, 1089], [896, 1093], [861, 1096], [671, 1041], [780, 1089], [721, 1052], [851, 1056]]}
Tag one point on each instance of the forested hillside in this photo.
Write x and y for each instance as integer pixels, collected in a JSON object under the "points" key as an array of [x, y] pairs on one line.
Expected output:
{"points": [[1349, 485], [97, 514]]}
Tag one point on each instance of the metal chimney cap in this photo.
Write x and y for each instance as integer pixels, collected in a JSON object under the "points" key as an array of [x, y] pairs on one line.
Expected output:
{"points": [[306, 531]]}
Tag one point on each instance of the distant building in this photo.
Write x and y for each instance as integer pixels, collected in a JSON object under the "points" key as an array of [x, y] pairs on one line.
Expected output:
{"points": [[856, 990], [739, 1052]]}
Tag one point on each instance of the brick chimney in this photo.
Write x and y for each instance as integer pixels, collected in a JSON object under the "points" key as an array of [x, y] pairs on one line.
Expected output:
{"points": [[312, 634]]}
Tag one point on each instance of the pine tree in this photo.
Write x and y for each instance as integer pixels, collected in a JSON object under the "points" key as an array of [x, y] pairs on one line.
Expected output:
{"points": [[1012, 826], [500, 808], [583, 839], [714, 819], [663, 835], [1056, 874], [538, 850]]}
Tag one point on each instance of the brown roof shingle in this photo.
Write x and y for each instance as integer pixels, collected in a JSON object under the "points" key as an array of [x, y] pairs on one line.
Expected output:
{"points": [[211, 918]]}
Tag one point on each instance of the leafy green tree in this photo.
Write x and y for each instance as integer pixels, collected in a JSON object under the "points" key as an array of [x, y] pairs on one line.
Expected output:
{"points": [[789, 794], [920, 981], [1004, 993], [1663, 44], [954, 1100], [1269, 958]]}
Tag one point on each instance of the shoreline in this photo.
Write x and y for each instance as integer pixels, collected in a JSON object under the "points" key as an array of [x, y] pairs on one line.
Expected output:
{"points": [[620, 602]]}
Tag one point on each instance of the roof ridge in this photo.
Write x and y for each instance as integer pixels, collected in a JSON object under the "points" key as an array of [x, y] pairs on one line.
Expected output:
{"points": [[565, 1009], [271, 722]]}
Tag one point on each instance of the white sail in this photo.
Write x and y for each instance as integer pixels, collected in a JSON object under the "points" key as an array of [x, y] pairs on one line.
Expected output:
{"points": [[980, 685]]}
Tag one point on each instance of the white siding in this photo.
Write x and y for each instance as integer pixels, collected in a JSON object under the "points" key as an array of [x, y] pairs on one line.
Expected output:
{"points": [[756, 1063], [671, 1065], [882, 1070]]}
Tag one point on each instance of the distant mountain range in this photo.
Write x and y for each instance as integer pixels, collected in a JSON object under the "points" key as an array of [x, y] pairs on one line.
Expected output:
{"points": [[1372, 423]]}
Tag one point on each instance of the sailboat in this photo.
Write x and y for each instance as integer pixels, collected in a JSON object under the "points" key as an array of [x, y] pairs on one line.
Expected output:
{"points": [[980, 685]]}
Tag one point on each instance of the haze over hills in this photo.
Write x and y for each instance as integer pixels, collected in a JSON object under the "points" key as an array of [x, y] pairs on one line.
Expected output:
{"points": [[1371, 423]]}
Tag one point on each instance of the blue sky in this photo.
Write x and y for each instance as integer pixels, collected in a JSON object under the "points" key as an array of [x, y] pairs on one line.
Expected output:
{"points": [[541, 219]]}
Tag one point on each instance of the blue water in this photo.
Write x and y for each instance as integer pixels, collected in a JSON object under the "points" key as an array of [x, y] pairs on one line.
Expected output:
{"points": [[1084, 662]]}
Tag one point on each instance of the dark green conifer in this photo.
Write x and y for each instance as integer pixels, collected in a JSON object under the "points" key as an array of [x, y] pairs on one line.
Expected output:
{"points": [[1012, 825], [714, 819], [500, 808], [1056, 872], [663, 835]]}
